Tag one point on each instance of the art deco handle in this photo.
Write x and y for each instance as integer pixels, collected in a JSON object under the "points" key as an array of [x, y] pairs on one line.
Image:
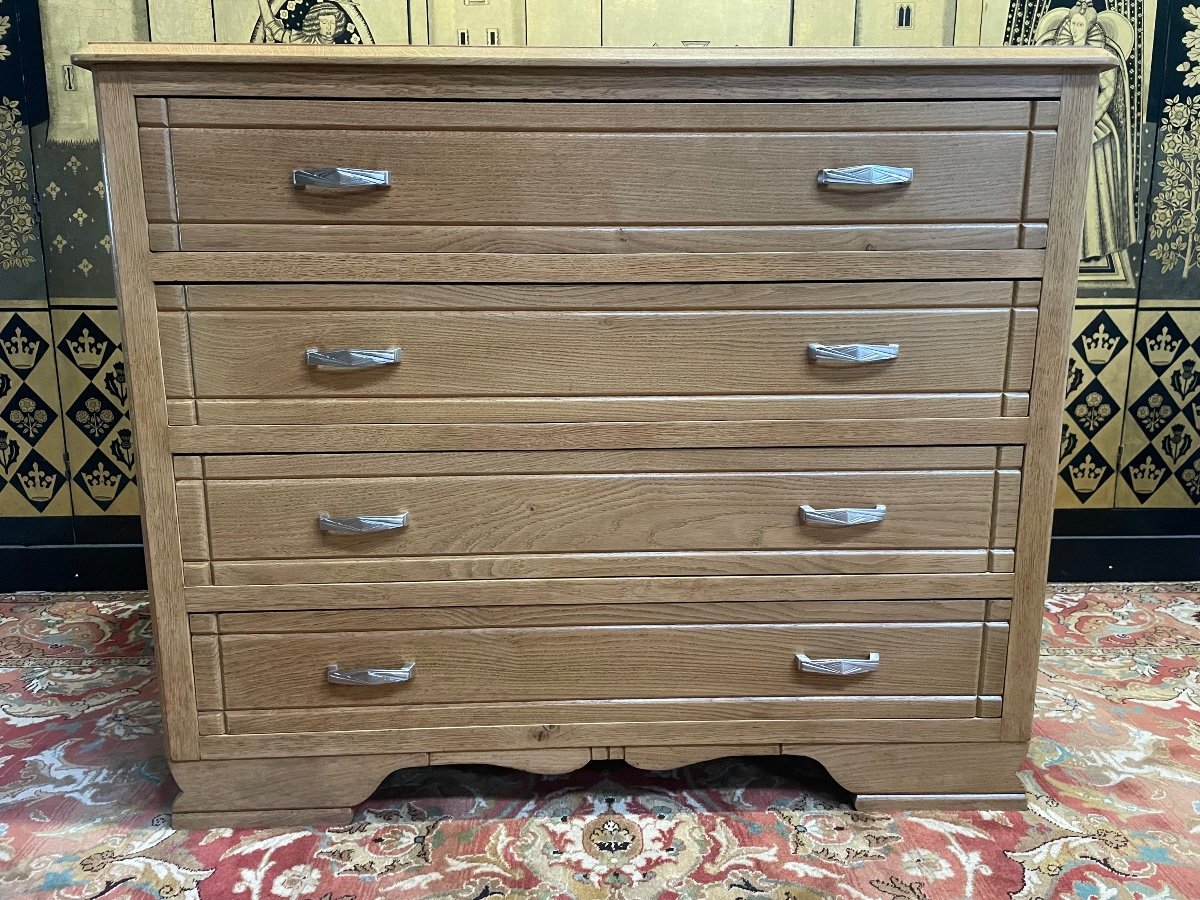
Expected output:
{"points": [[334, 675], [341, 178], [352, 359], [865, 176], [838, 666], [844, 517], [854, 353], [361, 524]]}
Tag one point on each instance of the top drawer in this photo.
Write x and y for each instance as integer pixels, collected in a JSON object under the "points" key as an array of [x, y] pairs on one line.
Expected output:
{"points": [[697, 166]]}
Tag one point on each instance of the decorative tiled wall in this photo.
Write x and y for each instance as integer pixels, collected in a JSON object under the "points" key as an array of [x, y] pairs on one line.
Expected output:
{"points": [[32, 452]]}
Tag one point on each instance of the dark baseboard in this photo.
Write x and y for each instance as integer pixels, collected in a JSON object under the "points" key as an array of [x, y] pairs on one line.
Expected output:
{"points": [[105, 553], [72, 567], [65, 553], [1125, 545]]}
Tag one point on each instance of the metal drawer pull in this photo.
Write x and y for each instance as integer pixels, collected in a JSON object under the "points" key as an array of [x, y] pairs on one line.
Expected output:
{"points": [[341, 178], [865, 176], [334, 675], [854, 353], [352, 359], [843, 517], [838, 666], [361, 524]]}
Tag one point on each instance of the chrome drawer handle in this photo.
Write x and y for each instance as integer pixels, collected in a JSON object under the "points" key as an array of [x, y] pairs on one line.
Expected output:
{"points": [[361, 524], [341, 178], [844, 517], [854, 353], [334, 675], [838, 666], [352, 359], [865, 176]]}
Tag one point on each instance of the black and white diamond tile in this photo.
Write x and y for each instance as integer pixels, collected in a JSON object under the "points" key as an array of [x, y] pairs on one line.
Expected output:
{"points": [[1162, 420], [1097, 374], [95, 397], [32, 454]]}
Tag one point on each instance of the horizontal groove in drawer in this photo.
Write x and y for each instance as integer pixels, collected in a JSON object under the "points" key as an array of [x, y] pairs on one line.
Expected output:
{"points": [[801, 709], [779, 612], [351, 410], [594, 268], [573, 591], [526, 665], [628, 115], [262, 355], [599, 297], [541, 436], [550, 178], [585, 565], [595, 239], [763, 459]]}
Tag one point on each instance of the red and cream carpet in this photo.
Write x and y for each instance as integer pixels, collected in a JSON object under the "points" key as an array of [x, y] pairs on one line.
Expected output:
{"points": [[1113, 777]]}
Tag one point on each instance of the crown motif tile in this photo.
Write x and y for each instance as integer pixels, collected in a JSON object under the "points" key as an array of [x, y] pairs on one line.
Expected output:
{"points": [[21, 345], [37, 480], [101, 480], [86, 345]]}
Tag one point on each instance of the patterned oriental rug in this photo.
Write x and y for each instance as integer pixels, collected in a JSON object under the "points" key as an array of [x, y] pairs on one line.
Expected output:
{"points": [[1114, 782]]}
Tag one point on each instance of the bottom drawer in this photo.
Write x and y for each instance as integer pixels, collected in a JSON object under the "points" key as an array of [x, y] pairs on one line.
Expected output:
{"points": [[498, 665]]}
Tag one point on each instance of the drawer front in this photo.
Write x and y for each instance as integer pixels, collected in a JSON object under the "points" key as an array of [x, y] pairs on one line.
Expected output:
{"points": [[273, 671], [281, 518], [577, 354], [561, 164]]}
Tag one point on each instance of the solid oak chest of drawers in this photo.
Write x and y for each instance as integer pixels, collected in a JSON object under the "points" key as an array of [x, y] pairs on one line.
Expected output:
{"points": [[535, 407]]}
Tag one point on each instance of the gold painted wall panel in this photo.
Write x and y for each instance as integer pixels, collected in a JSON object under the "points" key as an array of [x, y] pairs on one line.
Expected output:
{"points": [[562, 23], [703, 23], [477, 23], [65, 28]]}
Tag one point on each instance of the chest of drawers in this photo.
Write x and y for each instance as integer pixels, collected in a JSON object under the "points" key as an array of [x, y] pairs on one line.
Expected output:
{"points": [[536, 407]]}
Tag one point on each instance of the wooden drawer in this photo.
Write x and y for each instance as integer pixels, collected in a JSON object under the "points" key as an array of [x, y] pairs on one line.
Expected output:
{"points": [[562, 164], [288, 670], [699, 505], [593, 366]]}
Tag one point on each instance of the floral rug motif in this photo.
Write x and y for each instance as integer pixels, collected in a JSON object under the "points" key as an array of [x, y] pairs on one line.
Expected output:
{"points": [[1113, 777]]}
